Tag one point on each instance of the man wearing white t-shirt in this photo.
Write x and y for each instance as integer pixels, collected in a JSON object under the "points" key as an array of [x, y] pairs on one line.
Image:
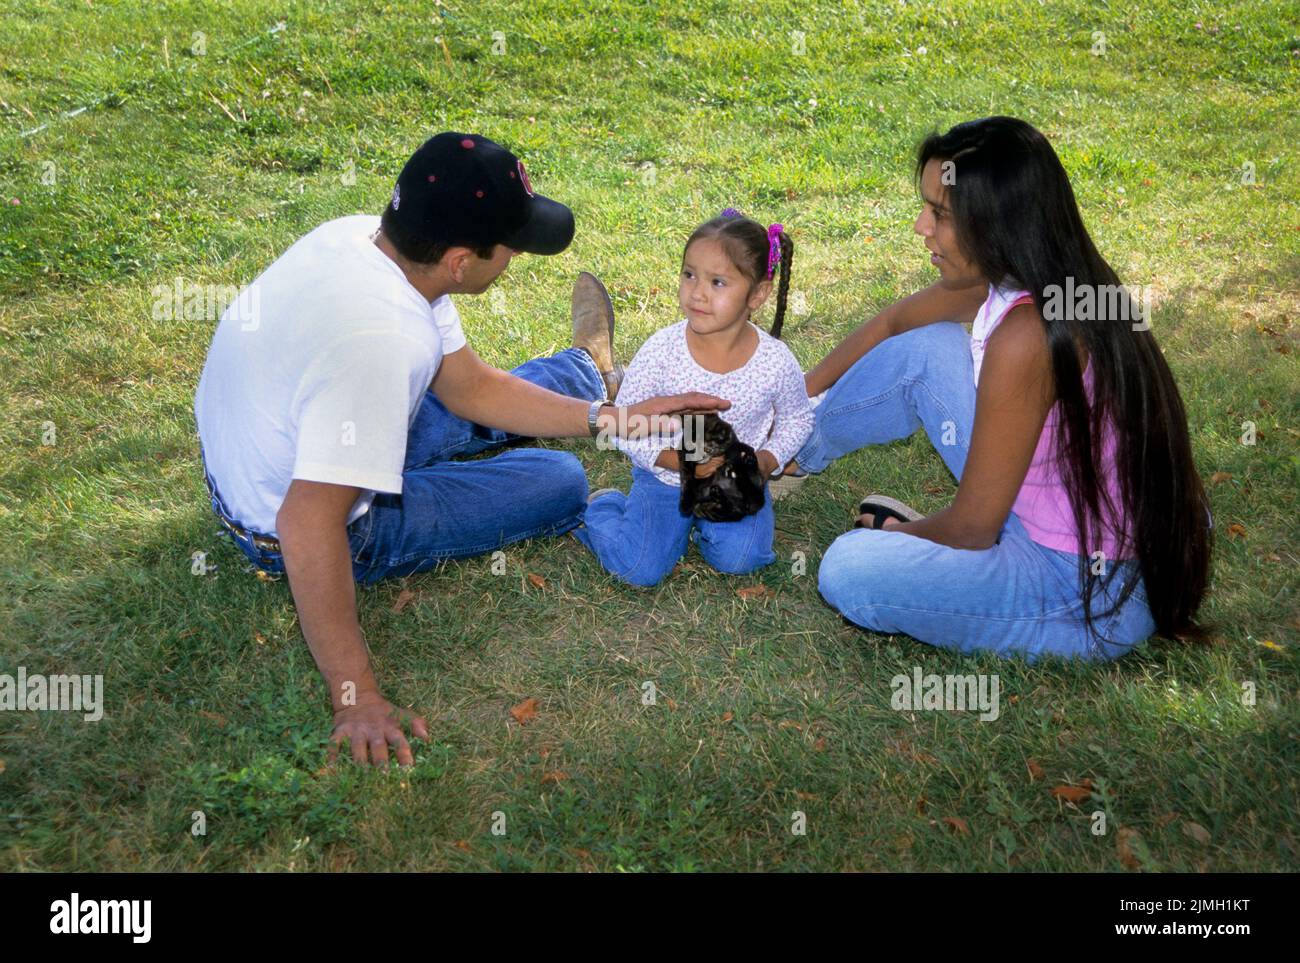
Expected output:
{"points": [[339, 385]]}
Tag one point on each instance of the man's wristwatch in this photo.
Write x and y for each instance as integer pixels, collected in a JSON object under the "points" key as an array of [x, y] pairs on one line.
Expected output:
{"points": [[593, 413]]}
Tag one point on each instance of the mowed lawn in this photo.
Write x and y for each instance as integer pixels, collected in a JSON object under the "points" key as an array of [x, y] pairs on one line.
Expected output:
{"points": [[213, 140]]}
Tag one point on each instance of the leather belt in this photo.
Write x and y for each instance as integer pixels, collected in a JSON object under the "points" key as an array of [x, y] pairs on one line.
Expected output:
{"points": [[264, 542]]}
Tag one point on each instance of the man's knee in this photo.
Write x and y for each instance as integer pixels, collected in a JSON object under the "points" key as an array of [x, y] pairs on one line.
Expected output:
{"points": [[563, 480]]}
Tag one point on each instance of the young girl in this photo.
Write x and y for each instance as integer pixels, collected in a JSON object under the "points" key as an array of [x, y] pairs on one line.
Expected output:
{"points": [[1080, 525], [726, 276]]}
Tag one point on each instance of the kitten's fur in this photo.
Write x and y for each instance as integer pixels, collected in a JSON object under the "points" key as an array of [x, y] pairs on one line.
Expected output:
{"points": [[732, 492]]}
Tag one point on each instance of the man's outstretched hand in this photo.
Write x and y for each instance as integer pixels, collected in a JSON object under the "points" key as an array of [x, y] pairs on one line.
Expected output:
{"points": [[373, 725], [661, 416], [690, 402]]}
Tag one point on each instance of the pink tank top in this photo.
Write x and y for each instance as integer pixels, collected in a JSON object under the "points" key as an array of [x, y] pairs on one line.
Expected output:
{"points": [[1042, 504]]}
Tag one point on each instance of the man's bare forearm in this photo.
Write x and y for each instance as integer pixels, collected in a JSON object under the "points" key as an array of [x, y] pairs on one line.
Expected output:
{"points": [[520, 407], [319, 565]]}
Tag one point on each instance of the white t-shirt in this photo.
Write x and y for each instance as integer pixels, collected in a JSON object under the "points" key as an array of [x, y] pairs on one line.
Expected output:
{"points": [[317, 371]]}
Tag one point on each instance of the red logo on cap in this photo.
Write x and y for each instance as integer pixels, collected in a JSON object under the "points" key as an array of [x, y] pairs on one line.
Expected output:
{"points": [[523, 176]]}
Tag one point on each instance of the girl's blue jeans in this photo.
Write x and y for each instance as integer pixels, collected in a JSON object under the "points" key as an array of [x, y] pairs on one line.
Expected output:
{"points": [[638, 537], [452, 509], [1015, 598]]}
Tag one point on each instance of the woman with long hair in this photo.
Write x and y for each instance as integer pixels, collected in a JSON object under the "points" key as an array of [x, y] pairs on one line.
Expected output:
{"points": [[1080, 525]]}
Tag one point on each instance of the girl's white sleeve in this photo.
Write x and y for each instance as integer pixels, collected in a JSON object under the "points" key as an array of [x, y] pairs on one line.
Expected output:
{"points": [[794, 414], [643, 379]]}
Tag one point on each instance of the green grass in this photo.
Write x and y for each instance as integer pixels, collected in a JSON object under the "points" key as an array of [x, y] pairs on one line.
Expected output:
{"points": [[766, 707]]}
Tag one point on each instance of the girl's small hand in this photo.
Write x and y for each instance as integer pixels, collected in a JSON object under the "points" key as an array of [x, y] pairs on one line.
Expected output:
{"points": [[707, 468]]}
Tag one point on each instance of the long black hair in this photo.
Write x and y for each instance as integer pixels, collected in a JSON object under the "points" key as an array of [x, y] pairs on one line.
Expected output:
{"points": [[1017, 220], [746, 244]]}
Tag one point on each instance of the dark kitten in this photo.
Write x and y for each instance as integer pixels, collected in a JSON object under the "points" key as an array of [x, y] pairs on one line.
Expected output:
{"points": [[732, 492]]}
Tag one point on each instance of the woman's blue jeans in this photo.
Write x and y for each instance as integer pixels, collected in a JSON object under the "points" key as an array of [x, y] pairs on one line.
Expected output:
{"points": [[1015, 598]]}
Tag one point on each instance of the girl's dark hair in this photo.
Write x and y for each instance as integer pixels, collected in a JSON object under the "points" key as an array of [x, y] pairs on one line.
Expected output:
{"points": [[1017, 220], [420, 250], [745, 241]]}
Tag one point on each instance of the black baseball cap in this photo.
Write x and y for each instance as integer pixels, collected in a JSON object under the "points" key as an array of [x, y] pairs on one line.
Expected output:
{"points": [[466, 189]]}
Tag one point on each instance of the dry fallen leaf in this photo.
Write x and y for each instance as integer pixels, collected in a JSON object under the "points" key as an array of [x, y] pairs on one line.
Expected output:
{"points": [[555, 775], [1035, 770], [1124, 841], [216, 717], [404, 598], [820, 745], [463, 844], [920, 805], [1074, 794], [2, 767], [537, 580], [672, 704], [956, 824], [812, 796], [525, 712], [789, 724], [259, 638], [1197, 832], [727, 716], [1236, 530], [1220, 476], [752, 592]]}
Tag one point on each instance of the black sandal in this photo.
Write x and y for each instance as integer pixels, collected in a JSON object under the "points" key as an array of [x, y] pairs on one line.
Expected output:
{"points": [[883, 508]]}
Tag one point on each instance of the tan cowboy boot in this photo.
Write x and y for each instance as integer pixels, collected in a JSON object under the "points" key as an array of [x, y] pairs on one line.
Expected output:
{"points": [[593, 329]]}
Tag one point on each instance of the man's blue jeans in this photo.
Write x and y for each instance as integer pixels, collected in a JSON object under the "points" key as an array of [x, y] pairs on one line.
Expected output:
{"points": [[453, 509], [1015, 598]]}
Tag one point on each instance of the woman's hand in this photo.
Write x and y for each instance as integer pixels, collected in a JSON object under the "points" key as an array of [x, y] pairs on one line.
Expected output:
{"points": [[868, 520]]}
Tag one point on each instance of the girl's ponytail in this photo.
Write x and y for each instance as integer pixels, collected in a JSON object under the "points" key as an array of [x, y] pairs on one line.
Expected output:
{"points": [[783, 285]]}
